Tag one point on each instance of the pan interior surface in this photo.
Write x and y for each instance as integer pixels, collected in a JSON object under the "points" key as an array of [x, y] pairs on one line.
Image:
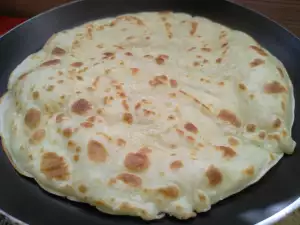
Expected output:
{"points": [[234, 210]]}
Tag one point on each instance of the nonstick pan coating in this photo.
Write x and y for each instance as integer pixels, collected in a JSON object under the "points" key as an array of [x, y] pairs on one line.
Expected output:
{"points": [[25, 200]]}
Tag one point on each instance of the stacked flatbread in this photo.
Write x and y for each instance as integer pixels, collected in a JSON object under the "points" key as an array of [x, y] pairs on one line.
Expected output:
{"points": [[148, 114]]}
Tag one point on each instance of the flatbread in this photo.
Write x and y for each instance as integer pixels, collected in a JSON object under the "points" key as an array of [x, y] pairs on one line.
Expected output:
{"points": [[148, 114]]}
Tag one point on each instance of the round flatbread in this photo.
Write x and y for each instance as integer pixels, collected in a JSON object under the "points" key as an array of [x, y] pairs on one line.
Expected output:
{"points": [[148, 114]]}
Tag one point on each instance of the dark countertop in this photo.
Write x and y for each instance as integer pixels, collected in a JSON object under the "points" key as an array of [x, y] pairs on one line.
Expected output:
{"points": [[285, 12]]}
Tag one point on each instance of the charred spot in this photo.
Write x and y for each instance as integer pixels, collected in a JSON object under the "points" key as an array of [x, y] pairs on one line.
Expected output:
{"points": [[81, 106]]}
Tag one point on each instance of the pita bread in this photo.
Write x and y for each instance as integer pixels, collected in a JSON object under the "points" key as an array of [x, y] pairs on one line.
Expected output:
{"points": [[148, 114]]}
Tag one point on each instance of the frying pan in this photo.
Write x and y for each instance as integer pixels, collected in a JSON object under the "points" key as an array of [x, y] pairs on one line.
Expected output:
{"points": [[264, 202]]}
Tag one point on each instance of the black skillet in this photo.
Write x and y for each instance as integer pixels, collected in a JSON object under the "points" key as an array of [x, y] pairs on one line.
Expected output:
{"points": [[263, 202]]}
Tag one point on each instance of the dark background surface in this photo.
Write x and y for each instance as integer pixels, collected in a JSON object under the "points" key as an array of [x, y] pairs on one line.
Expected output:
{"points": [[286, 12], [22, 198]]}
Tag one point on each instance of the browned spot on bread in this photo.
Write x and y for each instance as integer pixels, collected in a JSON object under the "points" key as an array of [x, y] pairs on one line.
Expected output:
{"points": [[191, 128], [194, 28], [169, 192], [229, 117], [128, 53], [159, 60], [86, 124], [224, 45], [54, 166], [108, 99], [190, 139], [100, 203], [37, 137], [136, 161], [232, 141], [206, 49], [280, 72], [148, 112], [58, 51], [256, 62], [82, 188], [249, 171], [51, 62], [175, 165], [202, 198], [171, 117], [71, 145], [78, 149], [262, 135], [77, 64], [148, 56], [242, 87], [250, 127], [50, 88], [221, 83], [179, 132], [32, 118], [67, 132], [191, 49], [35, 95], [214, 176], [81, 106], [173, 83], [259, 50], [125, 105], [96, 151], [137, 106], [158, 80], [168, 29], [218, 60], [227, 151], [134, 71], [277, 123], [109, 55], [274, 88], [76, 158], [91, 119], [130, 179], [59, 118], [145, 150], [121, 142], [196, 64], [128, 118]]}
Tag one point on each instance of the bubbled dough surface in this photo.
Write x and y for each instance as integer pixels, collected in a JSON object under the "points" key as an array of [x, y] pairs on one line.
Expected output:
{"points": [[148, 113]]}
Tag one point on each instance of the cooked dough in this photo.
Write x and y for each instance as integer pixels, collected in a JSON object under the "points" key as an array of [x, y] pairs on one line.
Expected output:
{"points": [[148, 114]]}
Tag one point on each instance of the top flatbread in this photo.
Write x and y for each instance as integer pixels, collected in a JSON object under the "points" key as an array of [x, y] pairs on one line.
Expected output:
{"points": [[147, 114]]}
